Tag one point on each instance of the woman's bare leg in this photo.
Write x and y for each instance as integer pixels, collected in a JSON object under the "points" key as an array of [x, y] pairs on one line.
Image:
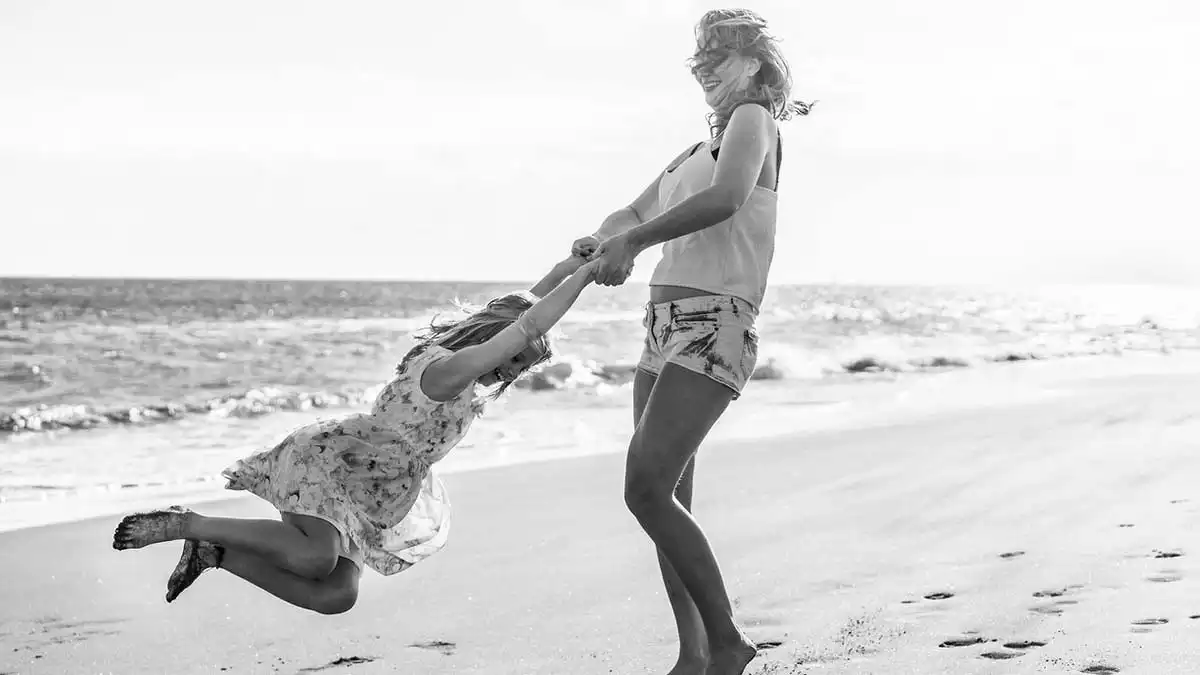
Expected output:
{"points": [[693, 643], [680, 411]]}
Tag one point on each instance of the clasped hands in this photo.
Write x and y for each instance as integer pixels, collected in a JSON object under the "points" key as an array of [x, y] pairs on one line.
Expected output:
{"points": [[614, 257]]}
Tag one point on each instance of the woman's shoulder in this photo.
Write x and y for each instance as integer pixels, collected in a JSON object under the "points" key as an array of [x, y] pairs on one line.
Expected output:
{"points": [[754, 113]]}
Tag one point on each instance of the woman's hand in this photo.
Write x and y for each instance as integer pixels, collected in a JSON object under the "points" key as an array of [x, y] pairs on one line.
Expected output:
{"points": [[588, 270], [615, 258]]}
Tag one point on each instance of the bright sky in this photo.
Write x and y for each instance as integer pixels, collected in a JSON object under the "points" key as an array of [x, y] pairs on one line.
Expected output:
{"points": [[1027, 141]]}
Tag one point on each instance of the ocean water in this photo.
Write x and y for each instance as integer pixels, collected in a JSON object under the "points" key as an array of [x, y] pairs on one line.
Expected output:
{"points": [[116, 394]]}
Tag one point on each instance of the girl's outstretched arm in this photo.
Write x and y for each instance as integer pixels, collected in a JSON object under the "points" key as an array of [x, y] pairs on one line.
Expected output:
{"points": [[555, 276], [446, 378]]}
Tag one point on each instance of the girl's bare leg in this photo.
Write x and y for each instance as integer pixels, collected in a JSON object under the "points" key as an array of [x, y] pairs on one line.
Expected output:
{"points": [[302, 545], [334, 594]]}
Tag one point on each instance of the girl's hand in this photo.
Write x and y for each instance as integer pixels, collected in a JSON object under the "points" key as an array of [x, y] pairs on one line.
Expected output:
{"points": [[568, 265], [585, 246]]}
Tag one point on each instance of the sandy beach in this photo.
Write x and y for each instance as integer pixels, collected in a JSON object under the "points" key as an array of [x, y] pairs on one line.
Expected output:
{"points": [[1043, 523]]}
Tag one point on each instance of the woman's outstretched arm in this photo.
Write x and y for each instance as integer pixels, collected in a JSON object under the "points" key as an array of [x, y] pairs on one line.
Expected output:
{"points": [[747, 141]]}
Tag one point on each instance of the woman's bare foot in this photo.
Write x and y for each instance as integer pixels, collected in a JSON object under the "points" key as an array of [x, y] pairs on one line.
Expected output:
{"points": [[197, 556], [731, 660], [690, 665], [143, 529]]}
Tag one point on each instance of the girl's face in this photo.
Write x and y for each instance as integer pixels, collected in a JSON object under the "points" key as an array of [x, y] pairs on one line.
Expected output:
{"points": [[722, 73], [514, 368]]}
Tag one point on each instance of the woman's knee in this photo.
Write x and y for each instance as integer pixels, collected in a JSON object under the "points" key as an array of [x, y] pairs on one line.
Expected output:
{"points": [[645, 489]]}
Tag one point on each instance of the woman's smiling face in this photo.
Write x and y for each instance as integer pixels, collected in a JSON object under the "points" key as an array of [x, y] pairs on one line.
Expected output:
{"points": [[722, 73]]}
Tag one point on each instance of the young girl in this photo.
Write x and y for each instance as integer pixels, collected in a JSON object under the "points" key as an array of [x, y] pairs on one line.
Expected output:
{"points": [[360, 489]]}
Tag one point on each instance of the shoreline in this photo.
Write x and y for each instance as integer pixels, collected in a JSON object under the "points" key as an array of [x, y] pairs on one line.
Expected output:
{"points": [[858, 404]]}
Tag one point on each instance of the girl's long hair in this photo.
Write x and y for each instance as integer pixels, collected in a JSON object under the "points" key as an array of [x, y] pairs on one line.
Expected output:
{"points": [[481, 325]]}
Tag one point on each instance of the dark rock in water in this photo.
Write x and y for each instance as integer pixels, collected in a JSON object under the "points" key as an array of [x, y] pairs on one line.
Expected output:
{"points": [[868, 364], [768, 371], [619, 372], [943, 362], [168, 410], [551, 377]]}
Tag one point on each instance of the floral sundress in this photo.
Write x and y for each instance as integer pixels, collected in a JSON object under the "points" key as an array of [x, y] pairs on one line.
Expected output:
{"points": [[370, 475]]}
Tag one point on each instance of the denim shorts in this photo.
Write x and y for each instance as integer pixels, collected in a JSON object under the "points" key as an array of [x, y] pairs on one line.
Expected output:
{"points": [[712, 335]]}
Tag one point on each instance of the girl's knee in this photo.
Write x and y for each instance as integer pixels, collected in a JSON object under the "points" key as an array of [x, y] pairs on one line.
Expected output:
{"points": [[337, 601], [339, 592]]}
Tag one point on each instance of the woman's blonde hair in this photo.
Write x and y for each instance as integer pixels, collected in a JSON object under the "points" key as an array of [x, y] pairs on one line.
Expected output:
{"points": [[721, 32], [482, 324]]}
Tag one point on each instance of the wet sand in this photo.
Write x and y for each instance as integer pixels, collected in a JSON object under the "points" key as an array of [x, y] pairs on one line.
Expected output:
{"points": [[1049, 532]]}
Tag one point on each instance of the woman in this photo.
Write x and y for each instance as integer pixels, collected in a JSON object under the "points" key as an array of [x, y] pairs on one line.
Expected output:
{"points": [[360, 488], [714, 208]]}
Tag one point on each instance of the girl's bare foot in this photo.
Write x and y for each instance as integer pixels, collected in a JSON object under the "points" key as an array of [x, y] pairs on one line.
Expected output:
{"points": [[143, 529], [197, 556], [731, 660]]}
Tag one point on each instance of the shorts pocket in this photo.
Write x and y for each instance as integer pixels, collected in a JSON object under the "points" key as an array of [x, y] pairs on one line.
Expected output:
{"points": [[749, 351], [705, 317]]}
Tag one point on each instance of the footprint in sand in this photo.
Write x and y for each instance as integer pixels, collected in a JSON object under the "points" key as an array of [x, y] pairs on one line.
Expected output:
{"points": [[1024, 644], [1125, 525], [1053, 609], [1051, 593], [962, 642], [339, 662], [1170, 553], [999, 656], [940, 595], [1163, 578], [1101, 670], [442, 646], [1012, 554], [1140, 625], [52, 630], [767, 644]]}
